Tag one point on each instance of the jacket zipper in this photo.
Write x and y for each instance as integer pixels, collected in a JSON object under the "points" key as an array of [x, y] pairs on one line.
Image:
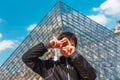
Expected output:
{"points": [[68, 75]]}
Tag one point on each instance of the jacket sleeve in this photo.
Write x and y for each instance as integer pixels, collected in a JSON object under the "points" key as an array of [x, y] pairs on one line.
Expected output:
{"points": [[85, 70], [31, 59]]}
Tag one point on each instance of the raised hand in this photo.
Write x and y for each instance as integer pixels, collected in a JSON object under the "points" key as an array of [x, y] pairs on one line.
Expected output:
{"points": [[64, 45], [58, 43], [67, 50], [55, 43]]}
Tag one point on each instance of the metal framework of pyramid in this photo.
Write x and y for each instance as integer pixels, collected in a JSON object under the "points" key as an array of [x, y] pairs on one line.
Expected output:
{"points": [[99, 45]]}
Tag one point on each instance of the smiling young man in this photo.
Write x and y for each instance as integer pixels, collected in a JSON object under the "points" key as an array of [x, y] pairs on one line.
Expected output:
{"points": [[70, 66]]}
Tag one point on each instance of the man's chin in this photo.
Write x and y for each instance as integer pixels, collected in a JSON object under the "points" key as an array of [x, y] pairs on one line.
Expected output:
{"points": [[65, 55]]}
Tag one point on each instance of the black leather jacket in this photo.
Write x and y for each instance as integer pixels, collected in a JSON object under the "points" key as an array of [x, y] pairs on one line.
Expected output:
{"points": [[72, 68]]}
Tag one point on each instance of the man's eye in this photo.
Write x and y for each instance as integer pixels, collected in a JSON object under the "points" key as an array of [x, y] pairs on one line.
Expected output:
{"points": [[65, 44], [72, 44]]}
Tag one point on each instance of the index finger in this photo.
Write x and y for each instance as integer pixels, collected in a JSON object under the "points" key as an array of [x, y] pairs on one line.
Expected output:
{"points": [[65, 39]]}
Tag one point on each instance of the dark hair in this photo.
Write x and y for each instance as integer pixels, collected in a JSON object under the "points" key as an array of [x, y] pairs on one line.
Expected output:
{"points": [[69, 35]]}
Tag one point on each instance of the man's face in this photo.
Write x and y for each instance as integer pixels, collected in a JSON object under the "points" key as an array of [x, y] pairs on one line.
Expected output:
{"points": [[67, 47]]}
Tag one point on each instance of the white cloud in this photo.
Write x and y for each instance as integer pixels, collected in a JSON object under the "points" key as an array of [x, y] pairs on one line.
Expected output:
{"points": [[109, 7], [0, 35], [5, 44], [1, 20], [31, 27], [100, 18]]}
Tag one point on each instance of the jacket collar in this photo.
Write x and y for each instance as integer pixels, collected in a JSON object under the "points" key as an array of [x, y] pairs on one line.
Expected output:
{"points": [[64, 59]]}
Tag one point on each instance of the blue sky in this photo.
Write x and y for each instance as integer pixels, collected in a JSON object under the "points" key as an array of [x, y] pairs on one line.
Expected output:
{"points": [[18, 18]]}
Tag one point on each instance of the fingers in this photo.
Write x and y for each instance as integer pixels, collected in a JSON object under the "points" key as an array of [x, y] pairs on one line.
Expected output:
{"points": [[65, 50], [54, 43], [72, 49], [69, 50], [61, 43], [64, 42], [64, 39]]}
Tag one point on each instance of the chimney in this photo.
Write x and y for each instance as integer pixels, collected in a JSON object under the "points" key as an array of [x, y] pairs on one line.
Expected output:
{"points": [[117, 29], [118, 23]]}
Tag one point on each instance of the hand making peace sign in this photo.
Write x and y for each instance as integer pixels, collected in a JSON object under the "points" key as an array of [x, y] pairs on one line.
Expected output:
{"points": [[64, 45]]}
